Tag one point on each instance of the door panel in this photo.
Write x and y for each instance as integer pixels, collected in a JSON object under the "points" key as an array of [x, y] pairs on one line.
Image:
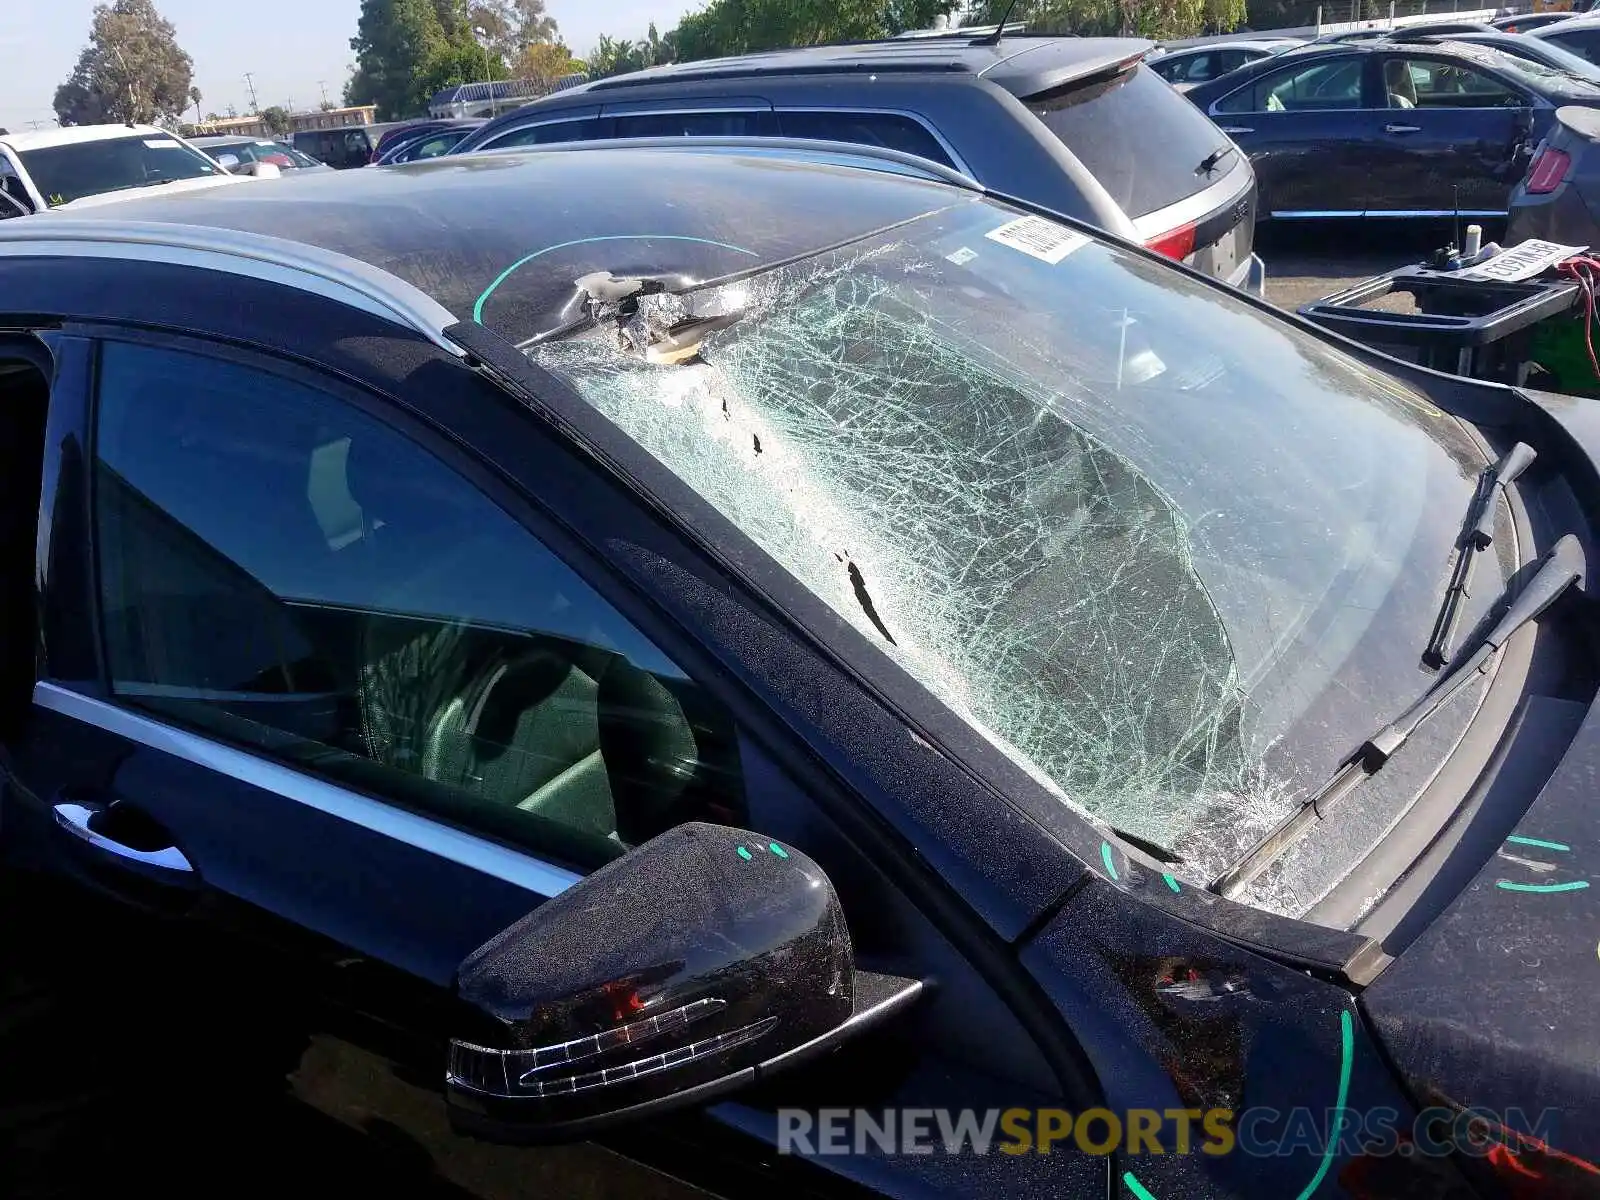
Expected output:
{"points": [[1451, 138], [1309, 135]]}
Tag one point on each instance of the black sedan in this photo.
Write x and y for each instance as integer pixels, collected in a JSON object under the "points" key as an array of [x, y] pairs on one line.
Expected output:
{"points": [[801, 670], [1390, 129]]}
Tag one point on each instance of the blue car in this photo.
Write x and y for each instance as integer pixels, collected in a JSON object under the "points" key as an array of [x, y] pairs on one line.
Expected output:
{"points": [[770, 659], [1390, 128]]}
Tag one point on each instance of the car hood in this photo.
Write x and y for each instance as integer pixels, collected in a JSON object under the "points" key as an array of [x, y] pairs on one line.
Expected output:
{"points": [[167, 189], [1493, 1006]]}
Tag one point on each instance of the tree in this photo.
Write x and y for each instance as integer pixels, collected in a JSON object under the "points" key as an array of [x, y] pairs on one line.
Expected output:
{"points": [[613, 56], [738, 26], [276, 119], [545, 64], [399, 45], [131, 70], [194, 99], [512, 25], [1145, 18]]}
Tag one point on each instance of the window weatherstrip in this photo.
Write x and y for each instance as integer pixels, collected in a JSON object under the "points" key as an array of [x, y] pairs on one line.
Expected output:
{"points": [[465, 849]]}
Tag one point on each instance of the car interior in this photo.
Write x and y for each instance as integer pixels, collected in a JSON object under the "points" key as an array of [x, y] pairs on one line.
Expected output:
{"points": [[542, 737]]}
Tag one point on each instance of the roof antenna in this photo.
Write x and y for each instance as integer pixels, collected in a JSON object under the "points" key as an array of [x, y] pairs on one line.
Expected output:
{"points": [[993, 39]]}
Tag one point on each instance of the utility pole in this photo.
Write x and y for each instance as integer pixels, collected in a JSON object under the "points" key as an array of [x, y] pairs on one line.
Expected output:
{"points": [[323, 84], [250, 82]]}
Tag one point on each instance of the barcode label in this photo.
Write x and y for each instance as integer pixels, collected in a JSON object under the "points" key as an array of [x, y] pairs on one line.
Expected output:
{"points": [[1044, 240]]}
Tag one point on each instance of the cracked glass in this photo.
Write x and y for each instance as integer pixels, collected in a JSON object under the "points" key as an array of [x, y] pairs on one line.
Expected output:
{"points": [[1172, 555]]}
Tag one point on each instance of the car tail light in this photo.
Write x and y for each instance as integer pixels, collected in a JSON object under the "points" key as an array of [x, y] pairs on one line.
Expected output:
{"points": [[1178, 244], [1547, 170]]}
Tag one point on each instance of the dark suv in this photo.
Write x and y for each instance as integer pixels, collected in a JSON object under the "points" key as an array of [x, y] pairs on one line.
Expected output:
{"points": [[1077, 125], [343, 148]]}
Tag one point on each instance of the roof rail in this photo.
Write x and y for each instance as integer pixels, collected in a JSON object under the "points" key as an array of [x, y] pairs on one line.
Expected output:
{"points": [[817, 148], [737, 68], [278, 260]]}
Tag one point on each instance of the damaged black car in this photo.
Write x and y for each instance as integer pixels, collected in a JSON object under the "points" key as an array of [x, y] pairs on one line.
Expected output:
{"points": [[719, 669]]}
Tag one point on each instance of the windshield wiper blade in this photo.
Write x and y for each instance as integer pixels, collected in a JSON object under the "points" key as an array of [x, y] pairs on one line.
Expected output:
{"points": [[1477, 532], [1560, 569], [1209, 162]]}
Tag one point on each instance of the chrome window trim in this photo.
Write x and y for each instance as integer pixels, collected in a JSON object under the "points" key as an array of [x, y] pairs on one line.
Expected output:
{"points": [[465, 849], [1290, 214], [297, 265], [860, 111]]}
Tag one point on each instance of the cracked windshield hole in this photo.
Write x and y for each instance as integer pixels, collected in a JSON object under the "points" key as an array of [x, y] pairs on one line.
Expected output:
{"points": [[987, 490]]}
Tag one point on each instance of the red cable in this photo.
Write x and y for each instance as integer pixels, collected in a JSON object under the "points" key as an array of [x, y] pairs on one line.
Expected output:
{"points": [[1582, 268]]}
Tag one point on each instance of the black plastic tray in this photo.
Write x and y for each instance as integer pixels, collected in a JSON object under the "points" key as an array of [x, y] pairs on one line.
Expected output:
{"points": [[1456, 313]]}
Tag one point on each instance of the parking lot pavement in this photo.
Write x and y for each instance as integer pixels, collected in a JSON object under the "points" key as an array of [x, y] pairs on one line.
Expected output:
{"points": [[1308, 262]]}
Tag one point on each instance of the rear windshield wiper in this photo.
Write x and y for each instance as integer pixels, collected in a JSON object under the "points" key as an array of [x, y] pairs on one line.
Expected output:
{"points": [[1477, 532], [1558, 571], [1210, 161]]}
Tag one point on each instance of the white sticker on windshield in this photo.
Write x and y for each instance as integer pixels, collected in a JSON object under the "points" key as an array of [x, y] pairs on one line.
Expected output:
{"points": [[1043, 239], [160, 144], [962, 256]]}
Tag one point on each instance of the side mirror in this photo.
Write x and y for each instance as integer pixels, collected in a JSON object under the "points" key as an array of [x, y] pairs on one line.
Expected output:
{"points": [[701, 961], [263, 170]]}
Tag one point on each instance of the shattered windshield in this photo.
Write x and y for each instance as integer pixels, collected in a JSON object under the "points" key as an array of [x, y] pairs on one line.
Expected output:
{"points": [[1172, 555]]}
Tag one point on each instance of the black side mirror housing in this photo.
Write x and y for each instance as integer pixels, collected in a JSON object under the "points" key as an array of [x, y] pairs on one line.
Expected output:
{"points": [[698, 962]]}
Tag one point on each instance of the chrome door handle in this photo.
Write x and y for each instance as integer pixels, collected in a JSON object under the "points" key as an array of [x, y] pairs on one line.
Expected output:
{"points": [[1402, 128], [1233, 129], [74, 818]]}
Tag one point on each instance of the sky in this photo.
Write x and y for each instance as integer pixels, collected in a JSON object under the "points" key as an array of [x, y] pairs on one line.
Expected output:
{"points": [[292, 48]]}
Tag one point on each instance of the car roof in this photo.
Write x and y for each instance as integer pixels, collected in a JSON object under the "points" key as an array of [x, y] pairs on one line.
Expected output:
{"points": [[41, 139], [499, 236]]}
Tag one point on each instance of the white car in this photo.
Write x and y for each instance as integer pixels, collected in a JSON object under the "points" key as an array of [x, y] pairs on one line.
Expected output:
{"points": [[91, 164]]}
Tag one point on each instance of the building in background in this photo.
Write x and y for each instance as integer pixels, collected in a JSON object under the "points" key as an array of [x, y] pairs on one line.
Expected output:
{"points": [[491, 99], [252, 125]]}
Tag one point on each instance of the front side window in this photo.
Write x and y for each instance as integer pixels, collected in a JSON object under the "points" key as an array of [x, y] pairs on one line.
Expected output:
{"points": [[1584, 42], [1434, 83], [78, 169], [282, 570], [1320, 87], [1167, 552]]}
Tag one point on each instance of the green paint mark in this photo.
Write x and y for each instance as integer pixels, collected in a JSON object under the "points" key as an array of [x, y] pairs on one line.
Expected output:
{"points": [[1577, 885], [777, 849], [477, 308], [1347, 1055], [1105, 857], [1172, 883], [1539, 842], [744, 854]]}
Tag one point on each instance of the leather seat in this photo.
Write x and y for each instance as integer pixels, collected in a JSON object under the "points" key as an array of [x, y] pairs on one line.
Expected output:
{"points": [[1398, 83]]}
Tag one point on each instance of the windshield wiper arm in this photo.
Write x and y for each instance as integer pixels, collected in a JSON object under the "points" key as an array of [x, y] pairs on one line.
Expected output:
{"points": [[1209, 162], [1477, 532], [1562, 567]]}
